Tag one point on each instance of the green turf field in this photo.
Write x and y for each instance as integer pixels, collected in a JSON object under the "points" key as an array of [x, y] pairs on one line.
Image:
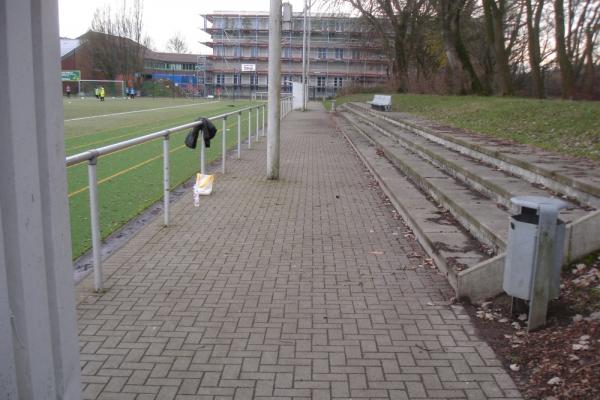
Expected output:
{"points": [[130, 180]]}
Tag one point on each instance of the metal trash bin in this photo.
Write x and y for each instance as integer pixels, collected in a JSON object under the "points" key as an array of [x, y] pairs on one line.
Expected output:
{"points": [[525, 244]]}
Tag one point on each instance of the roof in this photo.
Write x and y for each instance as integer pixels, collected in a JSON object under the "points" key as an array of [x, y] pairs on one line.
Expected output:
{"points": [[297, 14], [68, 45], [171, 57]]}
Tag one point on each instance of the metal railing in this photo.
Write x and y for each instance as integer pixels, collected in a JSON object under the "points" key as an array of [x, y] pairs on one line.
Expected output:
{"points": [[92, 157]]}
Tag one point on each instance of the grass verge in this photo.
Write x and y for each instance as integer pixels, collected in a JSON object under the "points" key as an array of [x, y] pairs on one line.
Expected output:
{"points": [[566, 127]]}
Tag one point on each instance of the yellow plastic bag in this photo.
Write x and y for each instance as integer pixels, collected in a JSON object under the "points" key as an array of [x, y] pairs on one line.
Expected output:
{"points": [[203, 187]]}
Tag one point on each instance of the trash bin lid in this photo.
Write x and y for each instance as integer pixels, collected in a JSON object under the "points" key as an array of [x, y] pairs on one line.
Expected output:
{"points": [[536, 201]]}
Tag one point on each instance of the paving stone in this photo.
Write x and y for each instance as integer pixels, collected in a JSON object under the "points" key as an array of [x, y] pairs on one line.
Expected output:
{"points": [[288, 289]]}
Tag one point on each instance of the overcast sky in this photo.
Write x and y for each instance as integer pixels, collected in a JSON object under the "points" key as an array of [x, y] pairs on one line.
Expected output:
{"points": [[162, 19]]}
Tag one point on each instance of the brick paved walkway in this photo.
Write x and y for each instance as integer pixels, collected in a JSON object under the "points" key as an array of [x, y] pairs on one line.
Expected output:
{"points": [[307, 287]]}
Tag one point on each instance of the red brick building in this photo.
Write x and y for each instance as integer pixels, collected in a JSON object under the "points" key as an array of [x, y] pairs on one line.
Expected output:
{"points": [[98, 57]]}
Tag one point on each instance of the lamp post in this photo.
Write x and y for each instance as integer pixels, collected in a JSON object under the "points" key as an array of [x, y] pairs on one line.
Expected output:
{"points": [[304, 58], [306, 93], [274, 90]]}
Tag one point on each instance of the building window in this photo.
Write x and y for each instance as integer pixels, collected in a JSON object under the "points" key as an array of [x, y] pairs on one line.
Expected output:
{"points": [[287, 52], [237, 80], [237, 51], [355, 54], [337, 82], [287, 83], [219, 51], [249, 23], [339, 53], [322, 53], [219, 23], [254, 81], [174, 67], [321, 82], [254, 52], [339, 26], [220, 79]]}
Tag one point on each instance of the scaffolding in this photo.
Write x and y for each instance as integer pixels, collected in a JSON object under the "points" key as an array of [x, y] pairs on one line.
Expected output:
{"points": [[242, 37]]}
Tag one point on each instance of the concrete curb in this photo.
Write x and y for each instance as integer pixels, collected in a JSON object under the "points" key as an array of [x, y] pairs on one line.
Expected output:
{"points": [[484, 279], [583, 192]]}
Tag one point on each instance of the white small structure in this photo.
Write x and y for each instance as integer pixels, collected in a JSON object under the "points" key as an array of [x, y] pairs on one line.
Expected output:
{"points": [[298, 93], [381, 101]]}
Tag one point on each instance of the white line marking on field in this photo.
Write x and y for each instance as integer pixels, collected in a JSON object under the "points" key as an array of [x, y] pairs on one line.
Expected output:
{"points": [[139, 111]]}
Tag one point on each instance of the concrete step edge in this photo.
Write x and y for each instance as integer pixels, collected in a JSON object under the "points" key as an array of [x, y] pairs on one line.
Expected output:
{"points": [[560, 183], [493, 190], [484, 279], [440, 261], [499, 194], [481, 231]]}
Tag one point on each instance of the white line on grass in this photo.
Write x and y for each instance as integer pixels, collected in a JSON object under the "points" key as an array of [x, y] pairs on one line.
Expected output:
{"points": [[139, 111]]}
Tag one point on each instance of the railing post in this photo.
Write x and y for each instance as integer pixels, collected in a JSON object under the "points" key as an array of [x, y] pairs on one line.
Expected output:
{"points": [[239, 126], [95, 220], [257, 124], [166, 177], [224, 144], [249, 129], [202, 155], [263, 113]]}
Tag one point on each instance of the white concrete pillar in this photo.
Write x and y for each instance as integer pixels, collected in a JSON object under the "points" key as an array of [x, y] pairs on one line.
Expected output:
{"points": [[39, 354], [274, 90]]}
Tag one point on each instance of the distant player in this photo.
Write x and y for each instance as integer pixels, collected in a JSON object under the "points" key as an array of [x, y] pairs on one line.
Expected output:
{"points": [[101, 93], [97, 92], [68, 90]]}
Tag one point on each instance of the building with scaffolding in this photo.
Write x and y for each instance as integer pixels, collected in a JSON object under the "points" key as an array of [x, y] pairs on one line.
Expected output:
{"points": [[342, 53]]}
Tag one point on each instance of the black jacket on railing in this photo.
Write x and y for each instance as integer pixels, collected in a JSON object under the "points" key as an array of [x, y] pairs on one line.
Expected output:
{"points": [[209, 130]]}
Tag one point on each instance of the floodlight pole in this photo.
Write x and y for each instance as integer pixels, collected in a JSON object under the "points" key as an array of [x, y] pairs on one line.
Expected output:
{"points": [[306, 90], [274, 90], [304, 58]]}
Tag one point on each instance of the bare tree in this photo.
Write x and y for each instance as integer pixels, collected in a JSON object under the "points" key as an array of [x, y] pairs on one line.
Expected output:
{"points": [[149, 43], [566, 67], [116, 40], [495, 13], [583, 22], [393, 21], [534, 16], [473, 44], [177, 44], [450, 12], [591, 35]]}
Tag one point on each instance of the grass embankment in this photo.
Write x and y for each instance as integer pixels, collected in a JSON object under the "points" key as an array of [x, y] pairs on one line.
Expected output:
{"points": [[566, 127], [131, 180]]}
